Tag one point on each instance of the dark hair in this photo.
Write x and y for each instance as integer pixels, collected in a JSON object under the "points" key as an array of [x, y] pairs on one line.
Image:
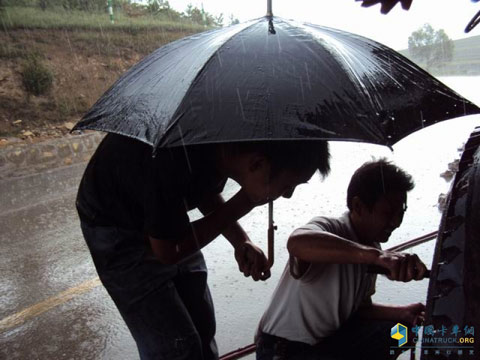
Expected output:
{"points": [[294, 155], [375, 179]]}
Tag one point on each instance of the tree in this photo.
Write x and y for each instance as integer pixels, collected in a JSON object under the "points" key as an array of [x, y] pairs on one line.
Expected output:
{"points": [[202, 17], [430, 46], [218, 20], [195, 15], [155, 6], [233, 20]]}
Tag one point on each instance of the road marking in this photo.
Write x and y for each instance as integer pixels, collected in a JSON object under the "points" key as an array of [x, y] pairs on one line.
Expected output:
{"points": [[37, 309]]}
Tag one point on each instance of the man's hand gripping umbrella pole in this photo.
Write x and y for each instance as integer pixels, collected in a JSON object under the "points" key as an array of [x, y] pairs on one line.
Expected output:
{"points": [[251, 259], [271, 235]]}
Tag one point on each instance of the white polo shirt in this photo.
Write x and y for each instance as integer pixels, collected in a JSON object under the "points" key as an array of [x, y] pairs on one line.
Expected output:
{"points": [[314, 306]]}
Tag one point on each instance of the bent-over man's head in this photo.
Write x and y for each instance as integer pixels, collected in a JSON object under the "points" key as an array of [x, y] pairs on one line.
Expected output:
{"points": [[267, 170]]}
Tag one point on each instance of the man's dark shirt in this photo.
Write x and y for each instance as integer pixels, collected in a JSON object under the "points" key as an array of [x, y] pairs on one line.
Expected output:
{"points": [[124, 186]]}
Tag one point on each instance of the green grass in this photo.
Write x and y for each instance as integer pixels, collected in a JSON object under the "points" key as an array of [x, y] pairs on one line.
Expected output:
{"points": [[91, 33], [111, 42], [33, 18], [9, 51]]}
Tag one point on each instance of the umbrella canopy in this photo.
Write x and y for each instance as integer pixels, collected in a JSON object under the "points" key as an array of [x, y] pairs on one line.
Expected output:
{"points": [[273, 79]]}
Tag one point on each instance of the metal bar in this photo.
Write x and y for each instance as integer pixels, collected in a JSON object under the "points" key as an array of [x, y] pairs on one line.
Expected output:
{"points": [[417, 241], [239, 353], [269, 8]]}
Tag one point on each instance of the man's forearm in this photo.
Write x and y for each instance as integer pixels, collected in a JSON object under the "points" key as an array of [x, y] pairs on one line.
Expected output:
{"points": [[322, 247], [233, 233], [202, 231]]}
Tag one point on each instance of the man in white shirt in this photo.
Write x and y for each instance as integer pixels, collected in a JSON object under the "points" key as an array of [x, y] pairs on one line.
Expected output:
{"points": [[322, 307]]}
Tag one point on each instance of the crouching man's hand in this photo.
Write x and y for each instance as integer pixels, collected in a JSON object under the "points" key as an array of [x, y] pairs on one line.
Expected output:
{"points": [[252, 261], [402, 266], [413, 314]]}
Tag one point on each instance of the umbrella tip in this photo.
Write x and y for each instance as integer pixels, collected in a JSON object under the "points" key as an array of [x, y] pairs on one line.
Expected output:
{"points": [[269, 8]]}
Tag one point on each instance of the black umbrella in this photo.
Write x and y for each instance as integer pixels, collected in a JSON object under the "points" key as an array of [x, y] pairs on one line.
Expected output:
{"points": [[273, 79]]}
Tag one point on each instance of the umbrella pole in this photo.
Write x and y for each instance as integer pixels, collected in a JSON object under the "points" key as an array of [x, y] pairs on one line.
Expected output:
{"points": [[271, 230], [269, 8]]}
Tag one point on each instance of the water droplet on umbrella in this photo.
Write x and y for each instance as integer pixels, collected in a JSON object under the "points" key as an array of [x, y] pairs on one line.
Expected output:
{"points": [[241, 105]]}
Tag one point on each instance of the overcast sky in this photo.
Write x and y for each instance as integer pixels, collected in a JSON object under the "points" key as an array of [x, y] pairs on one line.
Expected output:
{"points": [[392, 29]]}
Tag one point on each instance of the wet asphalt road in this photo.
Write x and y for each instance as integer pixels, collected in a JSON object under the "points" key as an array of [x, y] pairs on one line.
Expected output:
{"points": [[43, 255]]}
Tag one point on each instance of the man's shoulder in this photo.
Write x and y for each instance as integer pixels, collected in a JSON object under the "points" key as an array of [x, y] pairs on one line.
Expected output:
{"points": [[339, 225], [330, 221], [118, 151]]}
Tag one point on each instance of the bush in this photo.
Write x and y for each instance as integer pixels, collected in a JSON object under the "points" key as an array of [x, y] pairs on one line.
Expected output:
{"points": [[36, 77]]}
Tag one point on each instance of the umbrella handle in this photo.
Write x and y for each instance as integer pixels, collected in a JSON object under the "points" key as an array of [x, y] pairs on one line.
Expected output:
{"points": [[271, 235]]}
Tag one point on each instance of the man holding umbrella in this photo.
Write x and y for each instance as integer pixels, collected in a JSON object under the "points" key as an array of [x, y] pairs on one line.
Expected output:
{"points": [[133, 210]]}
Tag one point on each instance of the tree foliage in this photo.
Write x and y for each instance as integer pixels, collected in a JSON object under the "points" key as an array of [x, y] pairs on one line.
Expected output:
{"points": [[162, 9], [430, 46], [233, 20], [201, 17]]}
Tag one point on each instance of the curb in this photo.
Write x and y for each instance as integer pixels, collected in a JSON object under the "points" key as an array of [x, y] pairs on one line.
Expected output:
{"points": [[19, 160]]}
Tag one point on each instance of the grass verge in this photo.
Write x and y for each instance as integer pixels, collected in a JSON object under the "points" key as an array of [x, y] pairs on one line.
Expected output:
{"points": [[14, 17]]}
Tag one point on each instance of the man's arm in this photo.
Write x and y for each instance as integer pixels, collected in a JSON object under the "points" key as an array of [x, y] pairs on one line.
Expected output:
{"points": [[317, 246], [250, 258], [411, 315], [233, 233], [203, 231]]}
